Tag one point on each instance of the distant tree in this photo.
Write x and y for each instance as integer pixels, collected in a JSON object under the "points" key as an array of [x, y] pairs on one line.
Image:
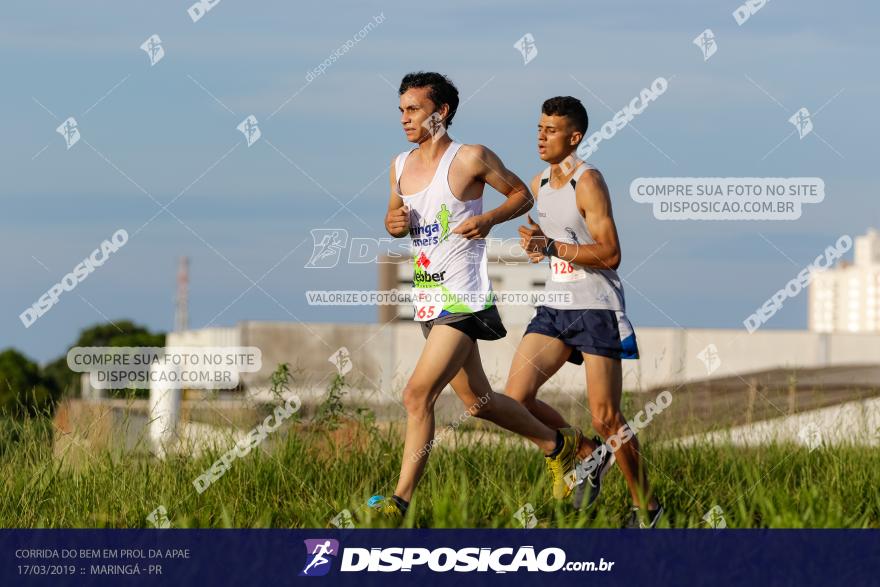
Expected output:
{"points": [[24, 391], [120, 333]]}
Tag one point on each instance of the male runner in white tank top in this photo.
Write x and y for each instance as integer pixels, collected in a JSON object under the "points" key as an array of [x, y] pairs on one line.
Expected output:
{"points": [[436, 199], [576, 233]]}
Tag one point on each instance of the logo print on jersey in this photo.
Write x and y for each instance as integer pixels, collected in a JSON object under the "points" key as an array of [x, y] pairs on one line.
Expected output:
{"points": [[422, 278], [443, 218], [425, 235], [423, 261], [317, 551], [572, 235]]}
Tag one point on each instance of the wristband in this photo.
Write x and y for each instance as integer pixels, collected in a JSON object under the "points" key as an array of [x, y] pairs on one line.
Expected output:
{"points": [[550, 249]]}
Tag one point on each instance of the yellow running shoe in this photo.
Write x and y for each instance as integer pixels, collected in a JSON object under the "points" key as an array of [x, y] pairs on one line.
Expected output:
{"points": [[562, 466], [386, 508]]}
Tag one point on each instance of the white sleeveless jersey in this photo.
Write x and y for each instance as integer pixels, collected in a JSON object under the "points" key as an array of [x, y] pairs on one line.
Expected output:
{"points": [[560, 219], [450, 274]]}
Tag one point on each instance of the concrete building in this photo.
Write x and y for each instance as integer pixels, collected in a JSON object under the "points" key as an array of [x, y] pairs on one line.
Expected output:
{"points": [[846, 298], [836, 360], [384, 354]]}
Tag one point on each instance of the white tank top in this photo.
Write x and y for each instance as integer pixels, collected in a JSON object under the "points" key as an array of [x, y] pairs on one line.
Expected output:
{"points": [[450, 274], [560, 219]]}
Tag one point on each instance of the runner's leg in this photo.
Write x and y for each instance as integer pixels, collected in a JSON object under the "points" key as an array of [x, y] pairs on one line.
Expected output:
{"points": [[604, 390], [445, 351], [536, 359], [475, 391]]}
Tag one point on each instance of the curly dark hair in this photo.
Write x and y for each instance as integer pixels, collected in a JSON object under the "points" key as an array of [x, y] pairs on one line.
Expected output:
{"points": [[569, 107], [442, 90]]}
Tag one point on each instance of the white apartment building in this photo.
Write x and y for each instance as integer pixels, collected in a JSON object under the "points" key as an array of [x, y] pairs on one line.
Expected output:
{"points": [[846, 298]]}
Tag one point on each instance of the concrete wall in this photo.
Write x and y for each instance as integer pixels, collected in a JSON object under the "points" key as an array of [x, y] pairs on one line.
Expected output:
{"points": [[849, 424], [384, 355], [308, 348], [854, 348]]}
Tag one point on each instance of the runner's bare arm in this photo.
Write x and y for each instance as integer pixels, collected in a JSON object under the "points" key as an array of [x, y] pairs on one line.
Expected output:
{"points": [[532, 249], [535, 185], [594, 202], [487, 167], [397, 219]]}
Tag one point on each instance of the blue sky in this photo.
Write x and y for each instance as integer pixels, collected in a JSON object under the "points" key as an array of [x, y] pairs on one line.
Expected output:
{"points": [[158, 130]]}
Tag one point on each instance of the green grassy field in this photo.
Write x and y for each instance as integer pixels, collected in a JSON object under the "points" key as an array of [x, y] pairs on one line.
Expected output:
{"points": [[305, 476]]}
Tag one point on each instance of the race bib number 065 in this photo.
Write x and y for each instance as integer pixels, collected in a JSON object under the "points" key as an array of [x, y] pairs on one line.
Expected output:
{"points": [[426, 306], [563, 271]]}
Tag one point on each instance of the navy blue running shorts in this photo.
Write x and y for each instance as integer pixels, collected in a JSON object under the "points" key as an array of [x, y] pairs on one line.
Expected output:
{"points": [[607, 333]]}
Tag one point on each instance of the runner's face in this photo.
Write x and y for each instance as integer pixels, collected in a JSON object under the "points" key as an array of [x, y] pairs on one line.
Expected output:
{"points": [[415, 109], [556, 138]]}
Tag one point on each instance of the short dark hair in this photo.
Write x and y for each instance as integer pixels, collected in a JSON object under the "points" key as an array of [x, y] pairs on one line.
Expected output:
{"points": [[569, 107], [442, 90]]}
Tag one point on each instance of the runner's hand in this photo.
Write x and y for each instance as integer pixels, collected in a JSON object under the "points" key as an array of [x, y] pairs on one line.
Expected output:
{"points": [[533, 240], [536, 257], [474, 227], [397, 221]]}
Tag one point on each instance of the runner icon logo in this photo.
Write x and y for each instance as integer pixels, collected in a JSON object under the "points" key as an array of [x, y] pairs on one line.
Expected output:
{"points": [[318, 551]]}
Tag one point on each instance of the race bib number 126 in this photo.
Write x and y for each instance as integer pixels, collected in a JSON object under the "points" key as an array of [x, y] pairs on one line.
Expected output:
{"points": [[563, 271]]}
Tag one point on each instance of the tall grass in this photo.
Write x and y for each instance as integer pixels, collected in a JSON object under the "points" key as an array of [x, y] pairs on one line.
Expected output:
{"points": [[305, 477]]}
